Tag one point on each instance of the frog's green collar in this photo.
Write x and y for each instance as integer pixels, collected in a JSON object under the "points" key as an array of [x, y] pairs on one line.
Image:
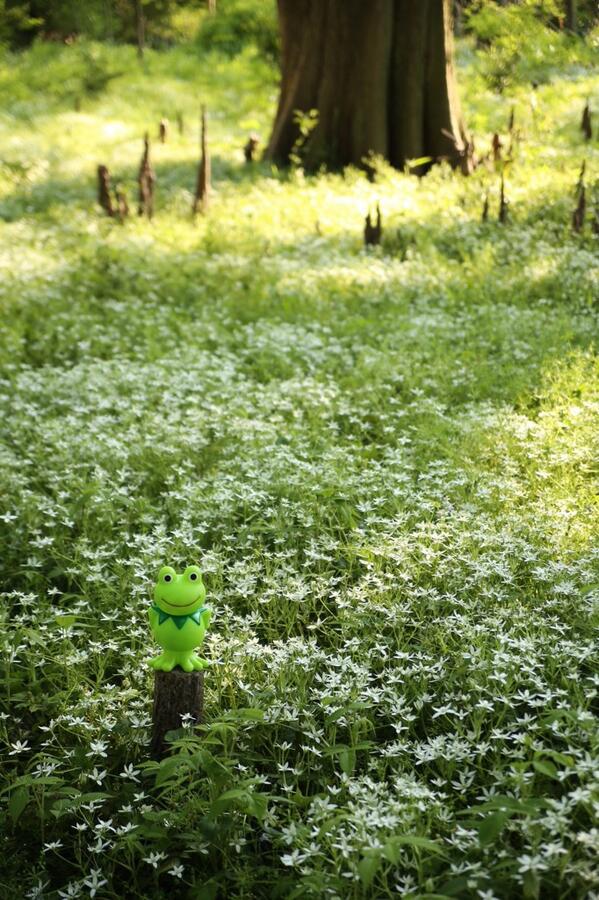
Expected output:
{"points": [[179, 620]]}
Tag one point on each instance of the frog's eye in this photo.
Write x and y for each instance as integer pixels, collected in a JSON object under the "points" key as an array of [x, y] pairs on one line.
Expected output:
{"points": [[193, 574], [166, 574]]}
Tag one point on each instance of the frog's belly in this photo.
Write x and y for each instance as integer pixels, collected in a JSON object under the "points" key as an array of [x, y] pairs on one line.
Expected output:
{"points": [[178, 639]]}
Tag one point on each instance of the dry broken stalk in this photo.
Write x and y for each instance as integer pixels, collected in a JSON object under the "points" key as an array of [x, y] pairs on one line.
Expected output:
{"points": [[122, 205], [104, 198], [163, 130], [581, 206], [373, 233], [251, 147], [201, 198], [497, 146], [146, 180], [503, 202], [465, 151], [580, 211], [485, 215], [585, 123]]}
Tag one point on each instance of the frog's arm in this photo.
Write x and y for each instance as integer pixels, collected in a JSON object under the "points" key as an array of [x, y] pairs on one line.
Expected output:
{"points": [[206, 616], [153, 617]]}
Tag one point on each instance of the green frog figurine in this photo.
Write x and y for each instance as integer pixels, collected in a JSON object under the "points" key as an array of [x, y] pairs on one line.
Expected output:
{"points": [[179, 619]]}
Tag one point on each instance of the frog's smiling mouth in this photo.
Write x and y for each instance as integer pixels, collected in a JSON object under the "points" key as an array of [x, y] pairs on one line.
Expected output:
{"points": [[178, 605]]}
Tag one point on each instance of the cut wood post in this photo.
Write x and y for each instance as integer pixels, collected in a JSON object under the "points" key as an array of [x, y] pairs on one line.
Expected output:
{"points": [[178, 701], [104, 196], [146, 180], [200, 200]]}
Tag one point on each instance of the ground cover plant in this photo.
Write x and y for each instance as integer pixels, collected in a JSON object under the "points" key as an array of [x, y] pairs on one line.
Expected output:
{"points": [[384, 460]]}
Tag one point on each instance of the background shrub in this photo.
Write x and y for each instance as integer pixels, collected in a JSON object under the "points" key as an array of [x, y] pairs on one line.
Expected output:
{"points": [[242, 23]]}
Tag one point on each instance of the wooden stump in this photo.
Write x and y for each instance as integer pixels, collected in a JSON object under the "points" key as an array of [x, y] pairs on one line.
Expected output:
{"points": [[176, 694], [373, 232], [250, 148]]}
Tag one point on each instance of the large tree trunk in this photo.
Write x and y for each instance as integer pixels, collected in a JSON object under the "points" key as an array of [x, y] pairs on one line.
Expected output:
{"points": [[380, 75], [140, 28]]}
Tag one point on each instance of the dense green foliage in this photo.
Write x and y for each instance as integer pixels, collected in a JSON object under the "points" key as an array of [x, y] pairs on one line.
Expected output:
{"points": [[549, 50], [22, 20], [385, 462], [240, 24]]}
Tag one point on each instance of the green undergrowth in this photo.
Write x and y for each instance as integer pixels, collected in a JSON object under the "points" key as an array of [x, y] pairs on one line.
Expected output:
{"points": [[384, 460]]}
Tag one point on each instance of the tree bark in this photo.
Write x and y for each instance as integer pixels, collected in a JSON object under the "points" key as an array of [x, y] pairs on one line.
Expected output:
{"points": [[380, 75], [572, 15], [140, 28], [176, 694]]}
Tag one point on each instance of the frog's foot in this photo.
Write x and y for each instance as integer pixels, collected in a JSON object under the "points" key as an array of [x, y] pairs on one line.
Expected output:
{"points": [[192, 663], [166, 662], [198, 663]]}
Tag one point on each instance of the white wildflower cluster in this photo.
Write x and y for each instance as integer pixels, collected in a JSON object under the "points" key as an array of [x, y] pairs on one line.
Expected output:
{"points": [[385, 463]]}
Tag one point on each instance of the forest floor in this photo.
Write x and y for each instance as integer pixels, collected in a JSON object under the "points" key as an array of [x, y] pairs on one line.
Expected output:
{"points": [[384, 460]]}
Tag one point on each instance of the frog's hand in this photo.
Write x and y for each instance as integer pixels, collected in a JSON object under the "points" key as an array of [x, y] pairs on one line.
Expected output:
{"points": [[206, 616], [153, 617]]}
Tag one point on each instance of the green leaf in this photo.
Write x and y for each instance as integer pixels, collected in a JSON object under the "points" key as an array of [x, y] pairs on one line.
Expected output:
{"points": [[368, 867], [169, 767], [456, 887], [206, 891], [419, 161], [250, 802], [17, 803], [347, 761], [502, 802], [66, 621], [491, 826], [545, 767], [560, 758], [391, 850], [257, 805], [530, 886], [24, 780], [246, 714]]}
